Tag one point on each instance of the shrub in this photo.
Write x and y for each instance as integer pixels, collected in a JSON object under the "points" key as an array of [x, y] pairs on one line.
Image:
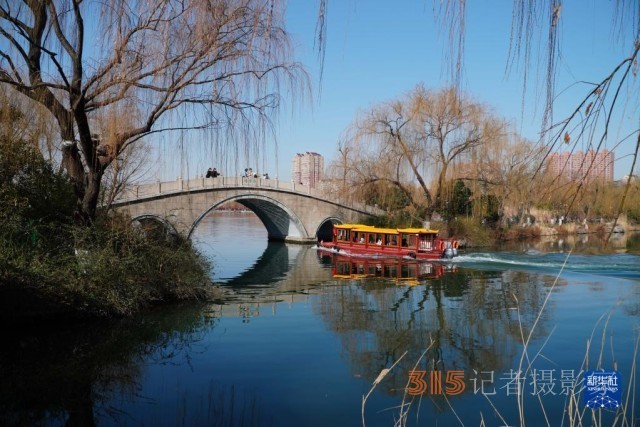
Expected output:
{"points": [[49, 264], [110, 269]]}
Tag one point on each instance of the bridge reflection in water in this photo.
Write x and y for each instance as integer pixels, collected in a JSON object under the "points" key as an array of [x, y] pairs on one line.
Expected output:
{"points": [[291, 273]]}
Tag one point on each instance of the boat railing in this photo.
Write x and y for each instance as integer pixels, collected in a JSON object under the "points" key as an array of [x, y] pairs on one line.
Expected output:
{"points": [[425, 246]]}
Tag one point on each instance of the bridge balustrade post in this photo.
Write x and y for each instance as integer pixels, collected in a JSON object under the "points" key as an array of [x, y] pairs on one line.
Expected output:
{"points": [[159, 187]]}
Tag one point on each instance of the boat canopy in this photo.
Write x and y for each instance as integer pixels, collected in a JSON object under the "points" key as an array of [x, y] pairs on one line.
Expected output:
{"points": [[418, 230], [372, 229]]}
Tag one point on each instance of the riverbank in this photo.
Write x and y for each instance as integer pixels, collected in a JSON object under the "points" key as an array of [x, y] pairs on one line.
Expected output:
{"points": [[108, 270], [473, 234]]}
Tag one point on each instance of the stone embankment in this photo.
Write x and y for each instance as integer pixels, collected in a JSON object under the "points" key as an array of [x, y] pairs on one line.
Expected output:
{"points": [[620, 226]]}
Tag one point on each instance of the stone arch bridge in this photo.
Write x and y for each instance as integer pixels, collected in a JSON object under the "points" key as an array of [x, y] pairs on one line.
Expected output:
{"points": [[290, 212]]}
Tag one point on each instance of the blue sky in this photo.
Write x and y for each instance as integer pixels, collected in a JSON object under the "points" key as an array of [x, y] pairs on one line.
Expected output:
{"points": [[378, 50]]}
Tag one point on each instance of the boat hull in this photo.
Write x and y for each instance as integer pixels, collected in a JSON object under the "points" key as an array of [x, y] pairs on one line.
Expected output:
{"points": [[385, 251]]}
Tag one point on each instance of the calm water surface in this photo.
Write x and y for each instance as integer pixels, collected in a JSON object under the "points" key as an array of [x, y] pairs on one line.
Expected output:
{"points": [[302, 338]]}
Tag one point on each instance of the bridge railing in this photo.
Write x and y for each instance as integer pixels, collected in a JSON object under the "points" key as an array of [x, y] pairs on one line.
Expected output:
{"points": [[135, 192], [145, 191]]}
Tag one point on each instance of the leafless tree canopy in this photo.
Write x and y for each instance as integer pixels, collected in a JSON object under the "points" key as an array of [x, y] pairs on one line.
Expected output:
{"points": [[111, 72], [417, 139]]}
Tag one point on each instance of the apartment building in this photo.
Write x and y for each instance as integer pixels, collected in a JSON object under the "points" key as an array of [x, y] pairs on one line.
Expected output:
{"points": [[307, 169], [589, 166]]}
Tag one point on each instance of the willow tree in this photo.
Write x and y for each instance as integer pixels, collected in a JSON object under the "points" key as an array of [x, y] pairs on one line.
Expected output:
{"points": [[504, 169], [415, 140], [112, 72]]}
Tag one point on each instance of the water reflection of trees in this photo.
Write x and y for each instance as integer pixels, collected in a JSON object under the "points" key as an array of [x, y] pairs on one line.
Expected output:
{"points": [[468, 317], [66, 373], [578, 243]]}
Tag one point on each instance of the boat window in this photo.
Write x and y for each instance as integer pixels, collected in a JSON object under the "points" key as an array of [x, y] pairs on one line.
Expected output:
{"points": [[342, 234], [372, 238], [409, 240]]}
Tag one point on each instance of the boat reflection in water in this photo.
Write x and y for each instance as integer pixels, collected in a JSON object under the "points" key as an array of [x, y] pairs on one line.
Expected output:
{"points": [[408, 272]]}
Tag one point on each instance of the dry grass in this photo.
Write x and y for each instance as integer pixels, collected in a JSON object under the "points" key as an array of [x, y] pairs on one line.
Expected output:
{"points": [[521, 233]]}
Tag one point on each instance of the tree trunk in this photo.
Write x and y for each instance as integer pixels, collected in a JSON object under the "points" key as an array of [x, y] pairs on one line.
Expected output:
{"points": [[414, 168], [442, 178]]}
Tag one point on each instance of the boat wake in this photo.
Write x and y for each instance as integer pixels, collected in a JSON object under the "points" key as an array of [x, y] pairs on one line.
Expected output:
{"points": [[616, 265]]}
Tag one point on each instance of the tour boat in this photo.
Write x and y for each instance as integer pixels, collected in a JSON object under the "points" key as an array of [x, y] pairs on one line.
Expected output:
{"points": [[416, 243]]}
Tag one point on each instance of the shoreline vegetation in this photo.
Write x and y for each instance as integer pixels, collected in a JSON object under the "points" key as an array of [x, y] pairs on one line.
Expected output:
{"points": [[109, 270], [52, 266], [471, 233]]}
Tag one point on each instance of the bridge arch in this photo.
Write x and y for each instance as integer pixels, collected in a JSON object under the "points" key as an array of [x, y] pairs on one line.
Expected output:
{"points": [[325, 228], [280, 221], [167, 226]]}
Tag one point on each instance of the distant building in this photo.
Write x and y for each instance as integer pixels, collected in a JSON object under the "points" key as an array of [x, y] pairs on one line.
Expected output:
{"points": [[589, 166], [307, 169]]}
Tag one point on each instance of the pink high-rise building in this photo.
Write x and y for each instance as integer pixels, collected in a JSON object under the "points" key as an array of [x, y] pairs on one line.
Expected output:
{"points": [[307, 169], [589, 166]]}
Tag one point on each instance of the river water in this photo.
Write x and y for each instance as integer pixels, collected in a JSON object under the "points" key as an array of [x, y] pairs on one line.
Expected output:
{"points": [[303, 337]]}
